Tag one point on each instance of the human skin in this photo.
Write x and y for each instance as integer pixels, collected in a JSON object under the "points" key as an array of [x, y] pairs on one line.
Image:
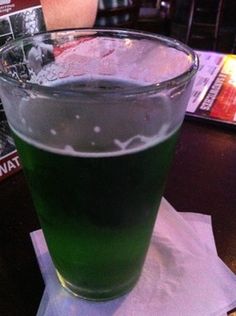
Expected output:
{"points": [[62, 14]]}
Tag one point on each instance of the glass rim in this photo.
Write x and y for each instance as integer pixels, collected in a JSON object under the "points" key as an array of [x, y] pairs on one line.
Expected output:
{"points": [[53, 91]]}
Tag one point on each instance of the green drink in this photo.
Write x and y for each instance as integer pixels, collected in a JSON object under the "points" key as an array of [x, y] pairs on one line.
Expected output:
{"points": [[95, 127], [97, 214]]}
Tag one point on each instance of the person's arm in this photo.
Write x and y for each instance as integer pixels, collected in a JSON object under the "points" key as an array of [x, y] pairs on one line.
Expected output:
{"points": [[62, 14]]}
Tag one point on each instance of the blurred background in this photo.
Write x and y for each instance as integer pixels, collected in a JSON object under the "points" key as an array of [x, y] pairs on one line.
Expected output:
{"points": [[202, 24]]}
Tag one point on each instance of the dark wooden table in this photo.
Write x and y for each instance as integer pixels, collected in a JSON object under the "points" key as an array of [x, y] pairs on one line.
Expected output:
{"points": [[202, 179]]}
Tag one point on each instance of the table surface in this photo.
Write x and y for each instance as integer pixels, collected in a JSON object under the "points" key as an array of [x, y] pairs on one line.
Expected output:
{"points": [[202, 179]]}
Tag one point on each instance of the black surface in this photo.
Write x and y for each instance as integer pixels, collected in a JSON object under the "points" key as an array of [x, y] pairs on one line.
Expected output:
{"points": [[21, 282], [202, 179]]}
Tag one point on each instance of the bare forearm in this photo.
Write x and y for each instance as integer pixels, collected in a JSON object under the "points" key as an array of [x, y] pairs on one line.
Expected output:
{"points": [[60, 14]]}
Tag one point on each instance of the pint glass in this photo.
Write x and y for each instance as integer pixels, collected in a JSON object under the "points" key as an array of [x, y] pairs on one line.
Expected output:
{"points": [[95, 115]]}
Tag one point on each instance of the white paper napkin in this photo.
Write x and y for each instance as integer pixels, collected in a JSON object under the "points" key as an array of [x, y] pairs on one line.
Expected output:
{"points": [[182, 275]]}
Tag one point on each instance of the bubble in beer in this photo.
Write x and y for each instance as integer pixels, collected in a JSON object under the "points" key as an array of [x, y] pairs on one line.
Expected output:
{"points": [[69, 149], [97, 129], [53, 132]]}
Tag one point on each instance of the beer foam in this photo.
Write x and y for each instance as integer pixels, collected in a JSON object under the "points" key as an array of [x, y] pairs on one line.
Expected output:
{"points": [[69, 150], [140, 139], [145, 142], [135, 139]]}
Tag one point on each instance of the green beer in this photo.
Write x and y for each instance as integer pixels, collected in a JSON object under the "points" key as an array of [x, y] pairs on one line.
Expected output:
{"points": [[95, 122], [97, 214]]}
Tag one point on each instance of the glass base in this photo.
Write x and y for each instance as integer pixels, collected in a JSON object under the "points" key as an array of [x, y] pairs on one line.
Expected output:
{"points": [[96, 295]]}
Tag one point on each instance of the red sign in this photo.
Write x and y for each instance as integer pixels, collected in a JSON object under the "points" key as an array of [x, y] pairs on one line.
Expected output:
{"points": [[9, 165], [225, 103], [10, 6]]}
